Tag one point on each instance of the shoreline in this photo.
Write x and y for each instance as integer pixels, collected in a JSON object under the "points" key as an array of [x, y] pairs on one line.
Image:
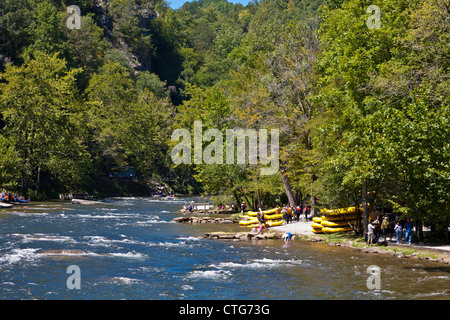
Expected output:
{"points": [[302, 230], [434, 253]]}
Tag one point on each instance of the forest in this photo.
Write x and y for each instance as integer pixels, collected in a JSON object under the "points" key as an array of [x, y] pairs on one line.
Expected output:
{"points": [[362, 110]]}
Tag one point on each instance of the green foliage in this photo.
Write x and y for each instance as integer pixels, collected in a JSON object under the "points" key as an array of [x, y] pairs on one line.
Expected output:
{"points": [[46, 30], [354, 106], [40, 111], [151, 82], [382, 100]]}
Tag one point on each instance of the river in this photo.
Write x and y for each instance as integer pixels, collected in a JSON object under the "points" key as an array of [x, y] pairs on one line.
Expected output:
{"points": [[129, 248]]}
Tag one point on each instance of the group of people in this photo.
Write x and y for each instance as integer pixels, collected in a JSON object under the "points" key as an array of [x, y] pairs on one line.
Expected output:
{"points": [[388, 227], [12, 197], [289, 213]]}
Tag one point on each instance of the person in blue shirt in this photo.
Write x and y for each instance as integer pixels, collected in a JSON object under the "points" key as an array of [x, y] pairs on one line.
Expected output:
{"points": [[408, 230], [298, 211], [287, 237]]}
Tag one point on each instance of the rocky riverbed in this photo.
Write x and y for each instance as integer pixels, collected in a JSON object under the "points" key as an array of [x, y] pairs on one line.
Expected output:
{"points": [[192, 219]]}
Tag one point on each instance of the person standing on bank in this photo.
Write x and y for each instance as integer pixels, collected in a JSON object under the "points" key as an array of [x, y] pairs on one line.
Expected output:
{"points": [[370, 229], [298, 211], [408, 230], [284, 213], [398, 231], [384, 228]]}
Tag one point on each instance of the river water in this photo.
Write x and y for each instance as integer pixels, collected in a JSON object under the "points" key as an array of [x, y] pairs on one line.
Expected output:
{"points": [[129, 248]]}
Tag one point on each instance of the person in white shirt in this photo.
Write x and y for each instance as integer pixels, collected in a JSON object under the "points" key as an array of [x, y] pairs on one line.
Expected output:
{"points": [[370, 229]]}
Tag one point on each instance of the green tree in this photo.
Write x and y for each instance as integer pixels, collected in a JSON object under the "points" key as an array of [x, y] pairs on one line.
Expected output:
{"points": [[151, 82], [380, 99], [110, 95], [145, 131], [46, 30], [40, 107]]}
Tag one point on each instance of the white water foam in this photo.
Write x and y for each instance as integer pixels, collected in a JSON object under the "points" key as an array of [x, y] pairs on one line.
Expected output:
{"points": [[92, 254], [105, 242], [187, 287], [125, 280], [258, 264], [28, 214], [17, 255], [190, 238], [168, 244], [44, 237], [210, 274], [127, 255], [111, 216], [150, 222]]}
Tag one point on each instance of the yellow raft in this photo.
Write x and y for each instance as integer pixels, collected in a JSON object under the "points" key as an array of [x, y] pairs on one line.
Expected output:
{"points": [[266, 224], [332, 223], [333, 230], [274, 223], [332, 212], [316, 225], [266, 212], [267, 217], [272, 219], [339, 217], [247, 222], [273, 216], [340, 223]]}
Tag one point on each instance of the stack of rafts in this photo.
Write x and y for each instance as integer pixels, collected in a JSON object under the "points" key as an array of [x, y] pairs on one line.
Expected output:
{"points": [[334, 220], [271, 219]]}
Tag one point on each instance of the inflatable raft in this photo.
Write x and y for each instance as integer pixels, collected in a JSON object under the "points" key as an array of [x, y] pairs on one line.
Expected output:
{"points": [[339, 223], [316, 225], [273, 216], [266, 224], [266, 212], [247, 222], [332, 224], [333, 212], [274, 223], [339, 217], [271, 219], [333, 230]]}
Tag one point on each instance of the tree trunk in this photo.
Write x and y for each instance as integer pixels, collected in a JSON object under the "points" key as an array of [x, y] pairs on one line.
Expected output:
{"points": [[419, 229], [299, 197], [238, 201], [365, 211], [258, 195], [288, 190], [313, 206], [38, 179], [250, 204], [313, 199]]}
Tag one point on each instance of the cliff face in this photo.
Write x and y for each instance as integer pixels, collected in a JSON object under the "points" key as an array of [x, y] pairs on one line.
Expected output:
{"points": [[127, 28]]}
